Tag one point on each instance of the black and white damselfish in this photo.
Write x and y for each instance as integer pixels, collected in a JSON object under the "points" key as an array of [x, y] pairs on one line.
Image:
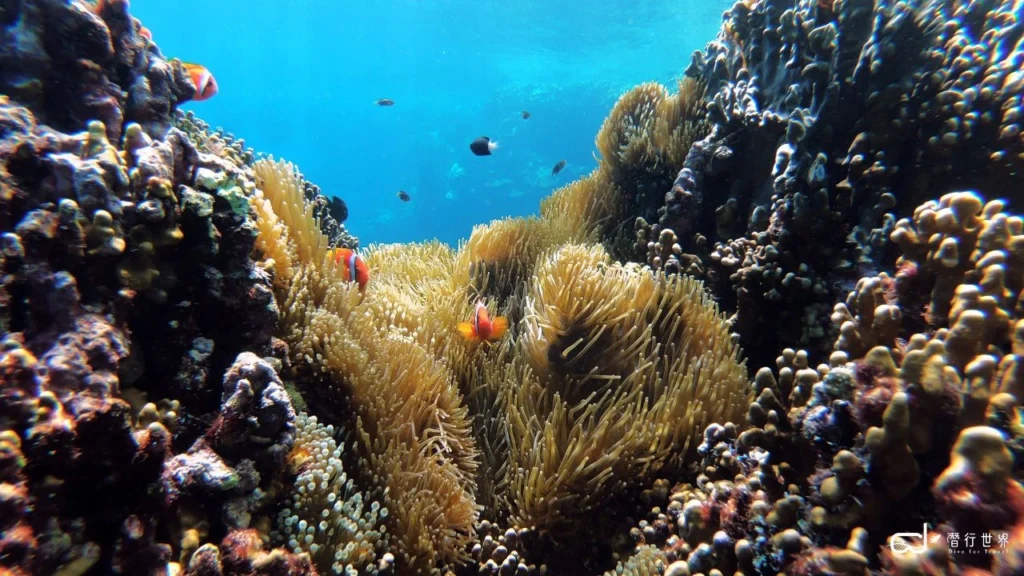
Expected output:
{"points": [[483, 146]]}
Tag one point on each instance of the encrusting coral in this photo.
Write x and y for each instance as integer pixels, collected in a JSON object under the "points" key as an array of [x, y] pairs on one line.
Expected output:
{"points": [[818, 138], [911, 408], [123, 249], [167, 297]]}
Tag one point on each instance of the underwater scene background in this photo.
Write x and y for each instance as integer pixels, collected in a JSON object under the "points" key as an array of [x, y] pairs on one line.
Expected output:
{"points": [[300, 82], [776, 325]]}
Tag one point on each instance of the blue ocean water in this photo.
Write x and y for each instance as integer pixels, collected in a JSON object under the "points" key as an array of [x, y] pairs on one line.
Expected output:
{"points": [[299, 80]]}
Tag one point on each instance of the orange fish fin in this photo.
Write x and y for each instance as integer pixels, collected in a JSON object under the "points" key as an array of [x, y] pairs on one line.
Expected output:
{"points": [[498, 327], [466, 329]]}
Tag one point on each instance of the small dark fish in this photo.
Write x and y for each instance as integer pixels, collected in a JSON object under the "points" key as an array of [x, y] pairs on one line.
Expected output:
{"points": [[558, 167], [483, 146], [404, 196], [385, 102], [526, 115], [337, 209]]}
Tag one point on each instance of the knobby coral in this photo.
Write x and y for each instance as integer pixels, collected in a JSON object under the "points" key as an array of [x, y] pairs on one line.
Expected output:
{"points": [[820, 135], [912, 407]]}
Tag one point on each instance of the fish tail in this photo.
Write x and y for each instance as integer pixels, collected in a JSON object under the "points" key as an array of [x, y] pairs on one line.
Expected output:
{"points": [[466, 329], [498, 327]]}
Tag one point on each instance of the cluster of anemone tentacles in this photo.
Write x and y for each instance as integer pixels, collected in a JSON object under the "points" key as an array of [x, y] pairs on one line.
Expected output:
{"points": [[608, 374]]}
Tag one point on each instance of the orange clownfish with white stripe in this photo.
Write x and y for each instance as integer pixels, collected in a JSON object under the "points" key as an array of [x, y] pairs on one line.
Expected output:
{"points": [[202, 79], [482, 327], [352, 266]]}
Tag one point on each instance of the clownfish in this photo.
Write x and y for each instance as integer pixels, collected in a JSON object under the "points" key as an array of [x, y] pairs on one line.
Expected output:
{"points": [[353, 267], [202, 79], [482, 327]]}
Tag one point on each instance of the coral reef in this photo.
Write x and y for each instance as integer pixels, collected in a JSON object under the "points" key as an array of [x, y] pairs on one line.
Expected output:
{"points": [[70, 63], [819, 136], [914, 420], [330, 211], [124, 251], [188, 386]]}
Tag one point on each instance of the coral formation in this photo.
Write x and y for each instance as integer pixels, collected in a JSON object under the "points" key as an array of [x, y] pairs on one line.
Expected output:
{"points": [[330, 212], [123, 250], [912, 408], [819, 137], [169, 297]]}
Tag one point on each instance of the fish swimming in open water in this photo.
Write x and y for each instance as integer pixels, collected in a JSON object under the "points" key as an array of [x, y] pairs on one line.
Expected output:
{"points": [[337, 209], [203, 80], [526, 115], [404, 196], [385, 102], [483, 146], [558, 167]]}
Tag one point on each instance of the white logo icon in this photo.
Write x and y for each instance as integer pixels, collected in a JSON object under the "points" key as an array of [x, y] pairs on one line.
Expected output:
{"points": [[899, 545]]}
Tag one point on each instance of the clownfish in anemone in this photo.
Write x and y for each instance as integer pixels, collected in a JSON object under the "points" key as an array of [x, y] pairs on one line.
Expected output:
{"points": [[203, 80], [352, 266], [482, 328]]}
